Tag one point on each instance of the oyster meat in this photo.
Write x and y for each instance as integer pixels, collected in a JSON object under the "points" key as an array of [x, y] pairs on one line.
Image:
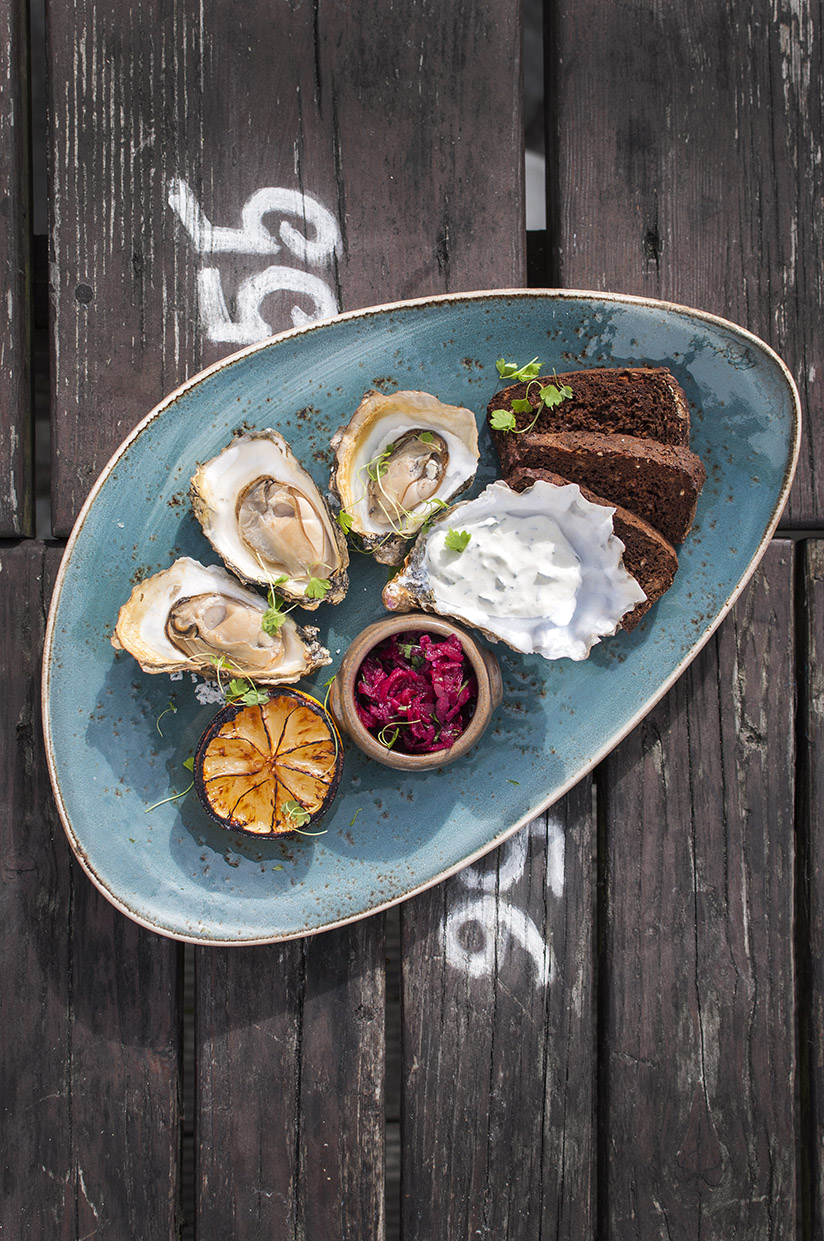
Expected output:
{"points": [[541, 570], [263, 514], [182, 618], [401, 457]]}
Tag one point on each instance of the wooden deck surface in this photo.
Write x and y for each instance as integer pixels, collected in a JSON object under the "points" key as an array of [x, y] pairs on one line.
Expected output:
{"points": [[658, 1072]]}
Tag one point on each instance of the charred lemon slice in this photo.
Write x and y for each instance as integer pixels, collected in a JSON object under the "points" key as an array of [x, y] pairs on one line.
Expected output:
{"points": [[269, 769]]}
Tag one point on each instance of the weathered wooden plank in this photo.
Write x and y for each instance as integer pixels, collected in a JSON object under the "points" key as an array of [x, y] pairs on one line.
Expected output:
{"points": [[290, 1117], [89, 1079], [220, 174], [685, 146], [697, 1065], [811, 888], [16, 494], [499, 1040]]}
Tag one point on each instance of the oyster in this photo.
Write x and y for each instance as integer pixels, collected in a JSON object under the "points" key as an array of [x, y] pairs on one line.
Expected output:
{"points": [[401, 457], [185, 616], [540, 570], [261, 511]]}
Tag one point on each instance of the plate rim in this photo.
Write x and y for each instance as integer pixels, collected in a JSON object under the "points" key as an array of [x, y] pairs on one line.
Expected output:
{"points": [[522, 294]]}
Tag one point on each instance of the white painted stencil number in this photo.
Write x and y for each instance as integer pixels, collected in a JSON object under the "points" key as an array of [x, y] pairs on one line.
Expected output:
{"points": [[314, 242], [479, 928]]}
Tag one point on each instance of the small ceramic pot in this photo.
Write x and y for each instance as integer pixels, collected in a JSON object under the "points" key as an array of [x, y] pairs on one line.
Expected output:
{"points": [[342, 694]]}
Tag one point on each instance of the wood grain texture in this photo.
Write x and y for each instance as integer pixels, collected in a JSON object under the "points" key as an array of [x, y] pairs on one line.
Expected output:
{"points": [[16, 498], [686, 164], [88, 1069], [290, 1115], [499, 1041], [390, 137], [696, 1101], [811, 891]]}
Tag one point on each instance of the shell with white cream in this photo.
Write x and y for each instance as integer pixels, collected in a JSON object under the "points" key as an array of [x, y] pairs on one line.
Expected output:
{"points": [[401, 457], [190, 615], [541, 570]]}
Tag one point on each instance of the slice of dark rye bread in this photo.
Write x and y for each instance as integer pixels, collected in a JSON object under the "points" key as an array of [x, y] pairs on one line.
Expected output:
{"points": [[648, 556], [659, 482], [645, 402]]}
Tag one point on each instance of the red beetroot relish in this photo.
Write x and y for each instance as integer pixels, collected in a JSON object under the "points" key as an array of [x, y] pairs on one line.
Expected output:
{"points": [[416, 693]]}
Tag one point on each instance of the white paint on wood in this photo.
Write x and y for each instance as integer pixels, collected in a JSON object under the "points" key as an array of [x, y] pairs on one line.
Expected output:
{"points": [[312, 242], [480, 928]]}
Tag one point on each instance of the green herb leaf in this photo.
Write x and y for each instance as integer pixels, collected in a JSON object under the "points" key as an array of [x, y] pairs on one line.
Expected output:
{"points": [[318, 587], [344, 520], [275, 615], [298, 814], [426, 437], [254, 697], [502, 420], [189, 763], [522, 374], [456, 540], [522, 407], [554, 394], [273, 620]]}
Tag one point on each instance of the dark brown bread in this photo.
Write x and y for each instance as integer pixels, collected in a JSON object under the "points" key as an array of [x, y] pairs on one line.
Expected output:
{"points": [[647, 403], [648, 556], [659, 482]]}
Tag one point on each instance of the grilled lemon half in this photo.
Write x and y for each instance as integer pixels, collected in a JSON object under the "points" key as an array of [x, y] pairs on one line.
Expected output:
{"points": [[269, 769]]}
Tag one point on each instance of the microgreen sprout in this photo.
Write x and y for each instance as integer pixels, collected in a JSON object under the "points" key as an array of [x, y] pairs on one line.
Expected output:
{"points": [[549, 396], [520, 374], [385, 738], [298, 814], [457, 540], [189, 764], [171, 707], [318, 587], [275, 615], [239, 689]]}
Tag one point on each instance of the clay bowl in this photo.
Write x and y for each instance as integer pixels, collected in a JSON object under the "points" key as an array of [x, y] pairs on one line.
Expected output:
{"points": [[342, 695]]}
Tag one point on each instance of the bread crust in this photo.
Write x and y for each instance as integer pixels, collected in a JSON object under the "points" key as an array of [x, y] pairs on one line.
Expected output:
{"points": [[645, 402]]}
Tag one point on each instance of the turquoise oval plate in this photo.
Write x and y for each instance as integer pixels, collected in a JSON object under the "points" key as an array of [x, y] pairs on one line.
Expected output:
{"points": [[114, 747]]}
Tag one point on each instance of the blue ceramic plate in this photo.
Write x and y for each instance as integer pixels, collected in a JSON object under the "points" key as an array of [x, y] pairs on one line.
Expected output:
{"points": [[389, 835]]}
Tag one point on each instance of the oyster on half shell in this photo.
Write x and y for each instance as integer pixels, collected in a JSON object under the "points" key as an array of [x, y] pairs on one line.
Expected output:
{"points": [[183, 617], [263, 514], [541, 570], [401, 457]]}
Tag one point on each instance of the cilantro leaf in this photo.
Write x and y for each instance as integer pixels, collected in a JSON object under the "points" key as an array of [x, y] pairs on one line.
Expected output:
{"points": [[274, 617], [502, 420], [318, 587], [523, 374], [426, 437], [344, 520], [456, 540], [554, 394], [189, 763], [521, 406]]}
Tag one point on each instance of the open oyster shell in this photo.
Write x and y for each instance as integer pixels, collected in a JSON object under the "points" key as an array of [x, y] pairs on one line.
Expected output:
{"points": [[263, 514], [398, 460], [542, 570], [181, 618]]}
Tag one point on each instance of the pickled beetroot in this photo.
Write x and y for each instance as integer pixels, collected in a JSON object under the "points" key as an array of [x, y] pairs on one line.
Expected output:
{"points": [[415, 692]]}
